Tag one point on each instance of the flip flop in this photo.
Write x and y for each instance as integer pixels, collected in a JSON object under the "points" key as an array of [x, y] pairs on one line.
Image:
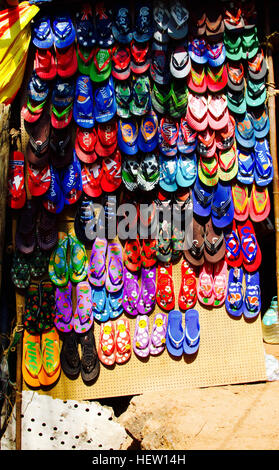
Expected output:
{"points": [[195, 253], [78, 264], [132, 255], [252, 256], [264, 170], [188, 288], [64, 308], [246, 166], [205, 284], [235, 294], [114, 279], [228, 164], [16, 190], [214, 243], [149, 253], [115, 301], [191, 342], [123, 341], [220, 283], [141, 336], [58, 268], [131, 291], [157, 342], [233, 255], [165, 296], [50, 350], [106, 349], [240, 201], [252, 299], [97, 262], [31, 359], [147, 297], [259, 205], [83, 314], [39, 262], [99, 304], [175, 333], [71, 181], [222, 209], [20, 270]]}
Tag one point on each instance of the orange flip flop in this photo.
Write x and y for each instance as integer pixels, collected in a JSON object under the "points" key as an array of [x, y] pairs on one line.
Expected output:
{"points": [[51, 367], [123, 341], [106, 349], [31, 359]]}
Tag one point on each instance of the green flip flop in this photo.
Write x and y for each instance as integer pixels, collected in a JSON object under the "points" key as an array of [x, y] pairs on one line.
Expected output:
{"points": [[208, 170], [58, 268], [78, 263], [141, 101], [20, 270], [123, 96], [39, 263], [160, 97], [178, 100]]}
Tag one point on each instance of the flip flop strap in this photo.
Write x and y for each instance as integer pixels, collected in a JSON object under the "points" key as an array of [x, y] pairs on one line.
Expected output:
{"points": [[204, 283], [173, 138], [86, 60], [176, 343], [213, 247], [233, 289], [38, 146], [203, 200], [35, 109], [208, 171], [106, 62], [229, 164], [58, 114], [221, 210], [236, 248], [192, 341], [159, 97], [249, 255]]}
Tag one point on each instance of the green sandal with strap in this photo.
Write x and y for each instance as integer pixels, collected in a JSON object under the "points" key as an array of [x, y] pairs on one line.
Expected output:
{"points": [[58, 268], [78, 263]]}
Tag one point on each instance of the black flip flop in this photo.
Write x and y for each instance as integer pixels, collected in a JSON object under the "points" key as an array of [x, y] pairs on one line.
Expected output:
{"points": [[90, 364]]}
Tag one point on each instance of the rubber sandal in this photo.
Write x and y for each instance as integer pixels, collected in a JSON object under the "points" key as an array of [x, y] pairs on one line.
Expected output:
{"points": [[25, 237], [89, 364], [106, 349], [188, 289], [220, 283], [115, 301], [51, 366], [235, 294], [252, 256], [100, 305], [246, 166], [264, 170], [157, 342], [32, 309], [47, 231], [123, 341], [214, 243], [175, 333], [39, 262], [132, 255], [208, 170], [165, 288], [141, 336], [58, 268], [195, 253], [71, 181], [233, 255], [97, 262], [83, 314], [131, 291], [191, 340], [164, 242], [16, 190], [252, 299], [64, 308], [31, 359], [147, 297], [222, 209], [149, 253], [228, 164], [259, 205], [114, 279], [20, 270], [240, 201], [47, 311], [205, 284], [78, 264]]}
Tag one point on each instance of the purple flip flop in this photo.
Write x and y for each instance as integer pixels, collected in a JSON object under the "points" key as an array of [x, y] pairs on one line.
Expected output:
{"points": [[64, 309], [131, 291], [158, 334], [147, 298], [97, 263], [83, 315], [114, 279], [141, 338]]}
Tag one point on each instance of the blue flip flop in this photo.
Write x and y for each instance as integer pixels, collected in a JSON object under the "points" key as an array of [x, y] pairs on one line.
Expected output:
{"points": [[191, 341], [53, 199], [264, 170], [127, 136], [246, 166], [168, 171], [105, 102], [252, 299], [175, 333], [63, 31], [83, 105], [235, 295], [222, 209], [71, 181], [101, 312], [42, 34], [202, 198], [85, 30], [115, 300], [187, 170], [122, 26]]}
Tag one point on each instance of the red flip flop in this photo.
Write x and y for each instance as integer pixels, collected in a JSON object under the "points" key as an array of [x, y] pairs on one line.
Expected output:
{"points": [[252, 256], [111, 179], [165, 289], [132, 255], [16, 189], [45, 64], [188, 288], [241, 201], [233, 256], [92, 174], [38, 180], [259, 204]]}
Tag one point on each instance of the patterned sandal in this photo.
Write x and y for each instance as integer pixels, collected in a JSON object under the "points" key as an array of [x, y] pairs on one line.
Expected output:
{"points": [[78, 264], [58, 267]]}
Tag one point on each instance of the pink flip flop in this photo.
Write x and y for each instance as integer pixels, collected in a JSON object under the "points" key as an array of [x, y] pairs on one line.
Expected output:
{"points": [[122, 341], [147, 297], [97, 263], [83, 315], [220, 283], [158, 334], [205, 284], [114, 279], [141, 336], [64, 309]]}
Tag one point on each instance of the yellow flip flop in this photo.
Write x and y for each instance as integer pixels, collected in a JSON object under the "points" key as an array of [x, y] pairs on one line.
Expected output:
{"points": [[50, 350]]}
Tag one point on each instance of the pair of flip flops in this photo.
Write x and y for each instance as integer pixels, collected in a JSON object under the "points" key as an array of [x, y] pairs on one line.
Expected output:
{"points": [[165, 295], [246, 302], [41, 358], [257, 205], [255, 164], [66, 319], [145, 344], [105, 267], [139, 299], [106, 305], [115, 342], [212, 284], [39, 307], [25, 267], [242, 247], [139, 255], [181, 340], [60, 271]]}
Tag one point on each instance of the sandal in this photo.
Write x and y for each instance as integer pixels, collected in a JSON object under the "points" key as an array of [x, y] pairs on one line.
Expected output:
{"points": [[20, 270], [165, 288], [106, 349], [51, 366], [188, 288], [235, 295], [141, 336], [233, 255], [175, 334], [147, 296], [64, 308], [252, 299], [78, 264], [205, 284], [123, 341], [114, 279], [132, 255], [83, 315], [220, 283], [97, 263], [158, 334], [58, 268], [131, 291], [31, 359]]}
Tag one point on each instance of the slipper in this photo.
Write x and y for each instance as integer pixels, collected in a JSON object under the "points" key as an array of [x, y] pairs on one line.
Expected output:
{"points": [[234, 255], [164, 241], [114, 279], [89, 364], [187, 170], [39, 262], [147, 296], [165, 288], [78, 264], [25, 236], [228, 163], [157, 342], [235, 294], [175, 333], [259, 205], [16, 190], [64, 308], [101, 312], [149, 253], [205, 284], [191, 340], [264, 170], [252, 256], [195, 253], [202, 198], [208, 170], [132, 255], [106, 349], [53, 198], [58, 268], [141, 336], [222, 209], [83, 314], [214, 243], [218, 113], [123, 341], [220, 283], [252, 299], [188, 288], [50, 350], [246, 166], [115, 301], [31, 359], [131, 291], [83, 103], [240, 201], [97, 262], [20, 270]]}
